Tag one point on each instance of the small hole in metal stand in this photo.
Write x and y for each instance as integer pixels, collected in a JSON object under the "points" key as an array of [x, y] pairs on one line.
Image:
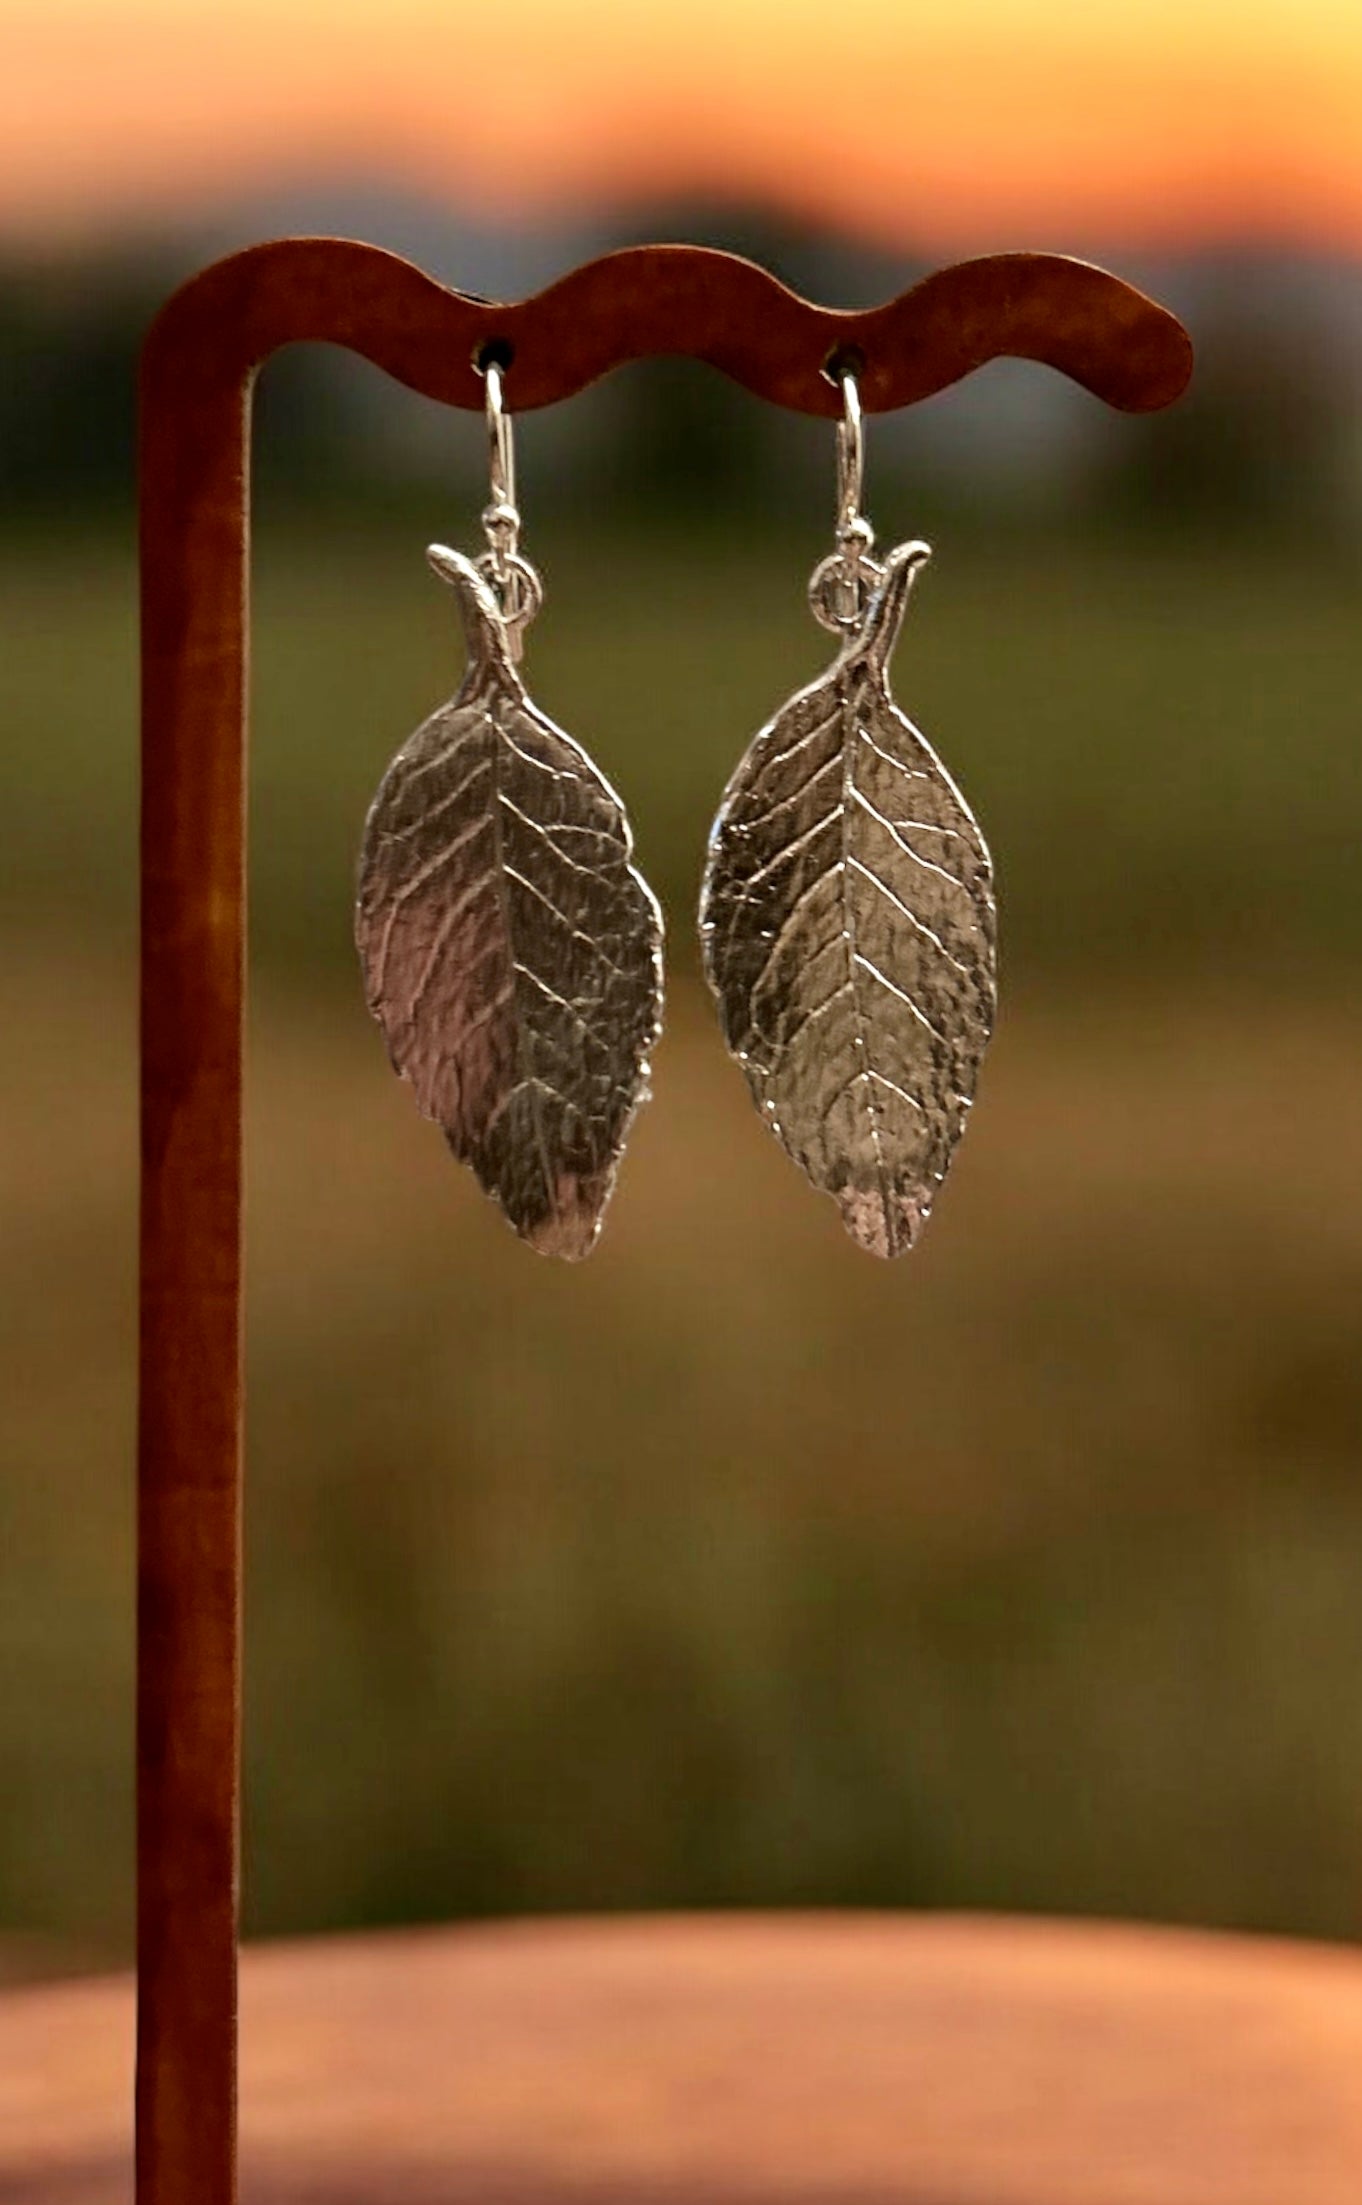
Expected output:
{"points": [[844, 360], [493, 352]]}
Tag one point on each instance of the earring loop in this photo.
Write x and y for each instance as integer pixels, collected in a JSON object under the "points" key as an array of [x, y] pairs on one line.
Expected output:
{"points": [[850, 454], [519, 590], [500, 437], [840, 586]]}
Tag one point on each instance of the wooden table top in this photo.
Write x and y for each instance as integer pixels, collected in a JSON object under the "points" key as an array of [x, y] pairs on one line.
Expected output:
{"points": [[739, 2060]]}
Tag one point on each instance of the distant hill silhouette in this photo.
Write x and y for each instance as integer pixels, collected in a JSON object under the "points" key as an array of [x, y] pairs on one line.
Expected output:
{"points": [[1271, 431]]}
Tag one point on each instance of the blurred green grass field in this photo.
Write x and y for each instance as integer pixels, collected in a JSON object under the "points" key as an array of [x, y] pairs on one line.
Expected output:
{"points": [[734, 1567]]}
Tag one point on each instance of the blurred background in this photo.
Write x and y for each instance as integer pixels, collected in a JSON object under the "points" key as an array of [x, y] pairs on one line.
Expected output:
{"points": [[733, 1568]]}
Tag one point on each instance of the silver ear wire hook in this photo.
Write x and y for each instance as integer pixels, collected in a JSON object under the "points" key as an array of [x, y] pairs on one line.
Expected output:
{"points": [[519, 590], [840, 587], [850, 454], [500, 438]]}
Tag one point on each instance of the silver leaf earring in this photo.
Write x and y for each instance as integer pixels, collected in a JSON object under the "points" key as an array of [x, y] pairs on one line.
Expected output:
{"points": [[847, 917], [511, 953]]}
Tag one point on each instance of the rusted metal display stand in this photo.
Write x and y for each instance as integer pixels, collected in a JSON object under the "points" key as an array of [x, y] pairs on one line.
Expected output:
{"points": [[200, 359]]}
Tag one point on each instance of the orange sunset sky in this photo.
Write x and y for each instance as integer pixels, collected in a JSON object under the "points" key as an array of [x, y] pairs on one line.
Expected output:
{"points": [[972, 121]]}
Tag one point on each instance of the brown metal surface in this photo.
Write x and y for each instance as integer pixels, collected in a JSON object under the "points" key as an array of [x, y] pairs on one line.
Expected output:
{"points": [[871, 2060], [197, 369]]}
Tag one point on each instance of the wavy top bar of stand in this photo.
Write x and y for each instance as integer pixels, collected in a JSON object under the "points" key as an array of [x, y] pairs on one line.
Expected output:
{"points": [[680, 299]]}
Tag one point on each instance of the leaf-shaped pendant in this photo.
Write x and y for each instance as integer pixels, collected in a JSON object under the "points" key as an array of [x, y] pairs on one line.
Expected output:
{"points": [[511, 953], [849, 934]]}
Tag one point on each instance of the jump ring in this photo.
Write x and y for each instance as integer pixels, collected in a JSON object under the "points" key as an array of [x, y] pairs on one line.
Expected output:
{"points": [[833, 582], [517, 584]]}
